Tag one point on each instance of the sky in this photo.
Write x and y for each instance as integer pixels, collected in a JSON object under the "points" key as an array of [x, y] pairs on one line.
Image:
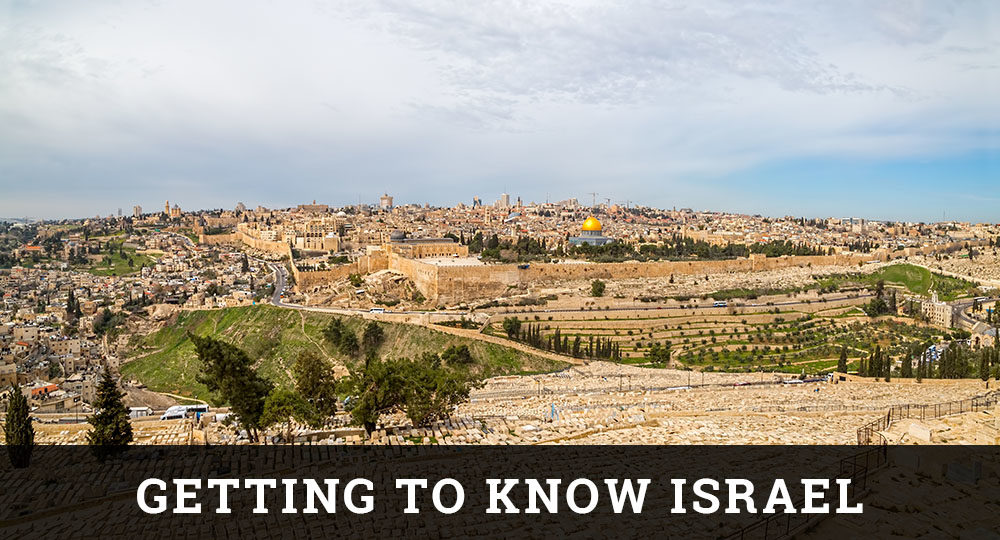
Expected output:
{"points": [[876, 109]]}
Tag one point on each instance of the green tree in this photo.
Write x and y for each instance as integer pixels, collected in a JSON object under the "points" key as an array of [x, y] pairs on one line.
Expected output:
{"points": [[333, 331], [282, 406], [512, 326], [457, 355], [314, 381], [19, 434], [340, 336], [55, 370], [72, 307], [348, 344], [228, 372], [112, 430], [376, 387], [657, 355], [842, 361], [432, 390], [245, 265], [476, 244], [597, 288], [373, 336], [876, 307]]}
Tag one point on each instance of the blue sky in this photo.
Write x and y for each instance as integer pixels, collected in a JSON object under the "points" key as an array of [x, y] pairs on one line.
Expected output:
{"points": [[875, 109]]}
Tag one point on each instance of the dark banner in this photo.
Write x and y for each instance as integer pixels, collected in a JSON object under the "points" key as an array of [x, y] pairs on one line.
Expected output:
{"points": [[524, 491]]}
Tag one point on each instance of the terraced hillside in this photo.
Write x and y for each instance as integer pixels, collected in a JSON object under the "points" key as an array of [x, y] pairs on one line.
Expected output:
{"points": [[805, 338], [166, 362]]}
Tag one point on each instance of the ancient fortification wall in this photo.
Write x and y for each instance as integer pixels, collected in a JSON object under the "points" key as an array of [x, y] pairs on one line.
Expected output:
{"points": [[309, 278], [449, 284], [423, 275], [278, 248], [216, 239]]}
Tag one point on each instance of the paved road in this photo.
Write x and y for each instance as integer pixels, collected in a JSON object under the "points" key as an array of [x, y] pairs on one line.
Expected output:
{"points": [[967, 322]]}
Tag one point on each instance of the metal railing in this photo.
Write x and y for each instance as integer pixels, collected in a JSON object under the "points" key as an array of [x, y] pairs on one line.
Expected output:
{"points": [[870, 433], [858, 467]]}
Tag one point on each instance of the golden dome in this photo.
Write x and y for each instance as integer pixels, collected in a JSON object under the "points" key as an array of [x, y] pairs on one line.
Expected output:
{"points": [[592, 224]]}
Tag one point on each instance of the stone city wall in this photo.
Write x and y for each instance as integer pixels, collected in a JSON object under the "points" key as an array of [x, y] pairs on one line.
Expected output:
{"points": [[216, 239], [309, 278], [424, 276], [278, 248], [459, 283], [939, 248], [366, 264]]}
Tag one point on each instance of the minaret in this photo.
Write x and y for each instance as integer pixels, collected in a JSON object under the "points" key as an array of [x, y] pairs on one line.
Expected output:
{"points": [[166, 208]]}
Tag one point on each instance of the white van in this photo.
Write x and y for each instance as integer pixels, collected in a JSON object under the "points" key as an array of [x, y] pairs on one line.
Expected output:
{"points": [[181, 411], [173, 413]]}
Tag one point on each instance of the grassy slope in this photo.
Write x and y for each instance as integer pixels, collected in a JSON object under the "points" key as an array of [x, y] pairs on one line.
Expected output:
{"points": [[274, 336], [119, 265], [913, 278]]}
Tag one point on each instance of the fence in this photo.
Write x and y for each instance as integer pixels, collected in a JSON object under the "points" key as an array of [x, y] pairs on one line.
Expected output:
{"points": [[871, 433], [858, 467]]}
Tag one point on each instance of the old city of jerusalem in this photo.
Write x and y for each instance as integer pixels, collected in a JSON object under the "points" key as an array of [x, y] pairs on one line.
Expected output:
{"points": [[582, 324]]}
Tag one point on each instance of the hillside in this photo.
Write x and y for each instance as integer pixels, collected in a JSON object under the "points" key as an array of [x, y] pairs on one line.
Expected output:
{"points": [[913, 278], [166, 362]]}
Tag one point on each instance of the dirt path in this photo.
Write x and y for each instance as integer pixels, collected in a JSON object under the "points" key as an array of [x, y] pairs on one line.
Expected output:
{"points": [[182, 398], [302, 317], [151, 353]]}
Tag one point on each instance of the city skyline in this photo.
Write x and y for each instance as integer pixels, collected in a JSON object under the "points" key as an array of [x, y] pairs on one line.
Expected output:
{"points": [[876, 111], [584, 201]]}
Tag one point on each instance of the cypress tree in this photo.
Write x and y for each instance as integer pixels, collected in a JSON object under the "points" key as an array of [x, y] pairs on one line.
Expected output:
{"points": [[906, 369], [18, 431], [842, 362], [112, 431]]}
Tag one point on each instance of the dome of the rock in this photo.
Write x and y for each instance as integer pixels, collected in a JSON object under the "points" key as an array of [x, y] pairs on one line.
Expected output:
{"points": [[592, 225]]}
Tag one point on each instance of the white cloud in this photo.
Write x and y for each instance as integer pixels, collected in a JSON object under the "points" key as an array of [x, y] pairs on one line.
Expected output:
{"points": [[444, 92]]}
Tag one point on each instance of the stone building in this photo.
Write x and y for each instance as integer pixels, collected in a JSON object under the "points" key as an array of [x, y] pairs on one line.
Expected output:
{"points": [[937, 312]]}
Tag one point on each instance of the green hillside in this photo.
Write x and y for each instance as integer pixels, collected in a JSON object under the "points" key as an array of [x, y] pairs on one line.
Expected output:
{"points": [[165, 360], [914, 278]]}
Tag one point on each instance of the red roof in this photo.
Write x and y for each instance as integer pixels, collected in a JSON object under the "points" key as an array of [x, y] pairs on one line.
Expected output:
{"points": [[44, 389]]}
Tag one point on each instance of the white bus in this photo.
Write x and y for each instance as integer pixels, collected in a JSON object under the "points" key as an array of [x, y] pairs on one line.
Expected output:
{"points": [[376, 310], [720, 303]]}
